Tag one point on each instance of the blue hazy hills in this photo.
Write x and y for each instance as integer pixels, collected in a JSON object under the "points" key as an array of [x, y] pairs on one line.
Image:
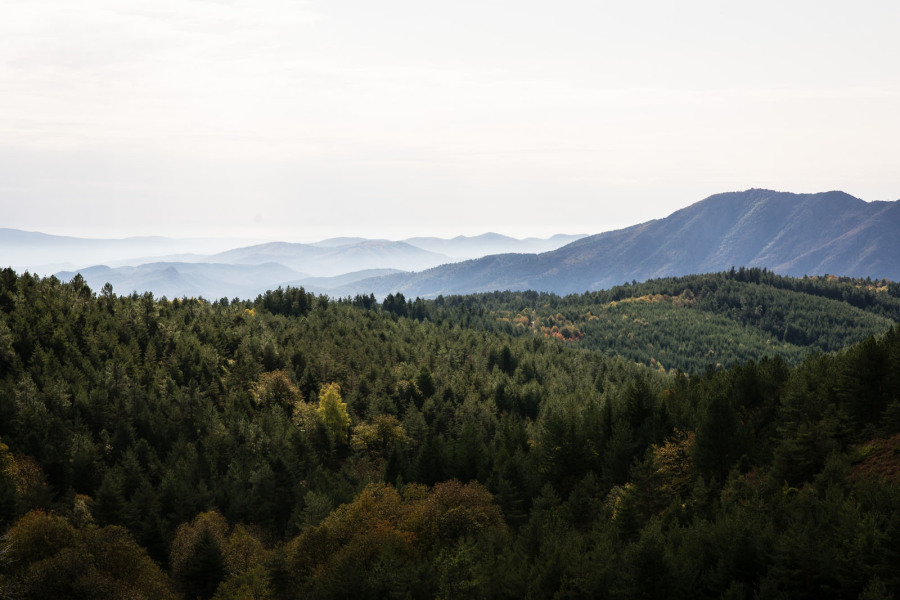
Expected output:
{"points": [[791, 234]]}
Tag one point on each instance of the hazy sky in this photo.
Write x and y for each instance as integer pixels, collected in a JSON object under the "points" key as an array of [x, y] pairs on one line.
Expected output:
{"points": [[304, 120]]}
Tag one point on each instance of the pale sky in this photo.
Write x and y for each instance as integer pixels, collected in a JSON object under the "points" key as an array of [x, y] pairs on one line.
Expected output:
{"points": [[293, 120]]}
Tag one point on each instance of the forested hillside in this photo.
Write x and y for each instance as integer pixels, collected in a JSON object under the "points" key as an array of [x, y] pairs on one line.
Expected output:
{"points": [[686, 323], [294, 447]]}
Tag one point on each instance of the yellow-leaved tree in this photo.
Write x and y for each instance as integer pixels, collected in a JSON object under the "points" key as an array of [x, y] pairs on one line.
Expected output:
{"points": [[333, 412]]}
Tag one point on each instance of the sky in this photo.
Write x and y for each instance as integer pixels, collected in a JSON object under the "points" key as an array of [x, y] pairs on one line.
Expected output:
{"points": [[291, 120]]}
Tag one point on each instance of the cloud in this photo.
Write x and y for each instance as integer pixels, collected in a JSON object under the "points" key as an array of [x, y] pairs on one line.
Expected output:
{"points": [[92, 72], [469, 103]]}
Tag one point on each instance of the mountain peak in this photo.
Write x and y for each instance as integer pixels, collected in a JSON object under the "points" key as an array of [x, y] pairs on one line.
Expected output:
{"points": [[758, 194]]}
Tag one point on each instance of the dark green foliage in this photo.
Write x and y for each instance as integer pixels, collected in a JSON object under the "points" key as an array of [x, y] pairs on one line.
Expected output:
{"points": [[395, 304], [45, 557], [690, 322], [109, 499], [155, 411], [290, 302], [717, 443], [205, 569]]}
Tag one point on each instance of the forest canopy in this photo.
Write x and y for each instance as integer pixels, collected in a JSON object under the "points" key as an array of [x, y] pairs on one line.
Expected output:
{"points": [[298, 446]]}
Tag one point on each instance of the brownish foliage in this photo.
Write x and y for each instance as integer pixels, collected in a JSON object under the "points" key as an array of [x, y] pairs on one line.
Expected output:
{"points": [[880, 458], [46, 557], [381, 520]]}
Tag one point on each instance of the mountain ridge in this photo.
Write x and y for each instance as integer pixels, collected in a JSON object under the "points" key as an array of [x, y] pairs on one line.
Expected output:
{"points": [[792, 234]]}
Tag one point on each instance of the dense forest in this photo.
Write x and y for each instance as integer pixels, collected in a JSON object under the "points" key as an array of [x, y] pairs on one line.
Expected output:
{"points": [[686, 323], [296, 446]]}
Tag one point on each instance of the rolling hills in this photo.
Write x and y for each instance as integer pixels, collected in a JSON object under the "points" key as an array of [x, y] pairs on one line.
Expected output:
{"points": [[688, 323]]}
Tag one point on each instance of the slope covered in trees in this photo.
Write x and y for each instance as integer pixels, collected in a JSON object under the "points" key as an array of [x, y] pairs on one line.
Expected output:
{"points": [[687, 323], [299, 447]]}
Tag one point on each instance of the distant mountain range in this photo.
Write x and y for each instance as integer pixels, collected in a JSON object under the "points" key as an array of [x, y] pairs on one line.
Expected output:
{"points": [[791, 234], [44, 254], [177, 267], [325, 261], [335, 256], [211, 280], [176, 280], [490, 243]]}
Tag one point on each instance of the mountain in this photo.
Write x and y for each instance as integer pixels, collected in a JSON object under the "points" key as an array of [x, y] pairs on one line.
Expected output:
{"points": [[329, 261], [335, 256], [791, 234], [490, 243], [340, 241], [212, 280], [330, 285], [177, 280], [44, 253], [168, 268]]}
